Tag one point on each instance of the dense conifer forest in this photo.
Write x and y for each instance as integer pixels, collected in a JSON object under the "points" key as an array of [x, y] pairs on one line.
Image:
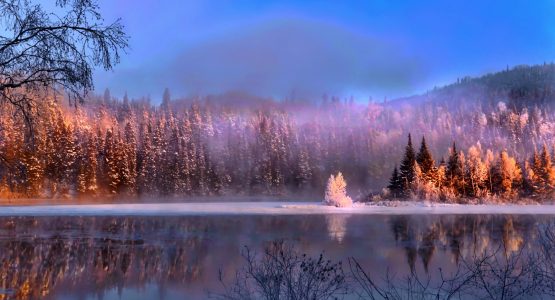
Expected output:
{"points": [[480, 137]]}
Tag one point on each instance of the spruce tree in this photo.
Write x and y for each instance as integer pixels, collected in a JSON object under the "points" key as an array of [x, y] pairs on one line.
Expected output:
{"points": [[547, 172], [454, 168], [130, 149], [407, 168], [112, 160], [395, 184], [87, 174], [424, 159], [534, 173]]}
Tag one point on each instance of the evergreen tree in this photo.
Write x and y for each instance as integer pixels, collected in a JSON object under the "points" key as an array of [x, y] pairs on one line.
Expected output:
{"points": [[395, 184], [406, 169], [303, 172], [129, 179], [546, 173], [34, 168], [425, 160], [534, 173], [455, 170], [87, 176], [112, 159], [166, 98], [147, 168]]}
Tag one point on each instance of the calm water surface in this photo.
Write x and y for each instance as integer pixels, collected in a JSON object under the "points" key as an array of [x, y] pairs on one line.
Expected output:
{"points": [[180, 257]]}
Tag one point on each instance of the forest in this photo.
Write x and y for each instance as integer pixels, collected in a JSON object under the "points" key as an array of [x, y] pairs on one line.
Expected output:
{"points": [[491, 136]]}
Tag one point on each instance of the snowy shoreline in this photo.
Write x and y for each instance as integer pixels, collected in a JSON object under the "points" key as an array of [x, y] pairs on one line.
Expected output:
{"points": [[266, 208]]}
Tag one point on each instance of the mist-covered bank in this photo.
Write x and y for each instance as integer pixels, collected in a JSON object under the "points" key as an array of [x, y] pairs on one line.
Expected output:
{"points": [[267, 208]]}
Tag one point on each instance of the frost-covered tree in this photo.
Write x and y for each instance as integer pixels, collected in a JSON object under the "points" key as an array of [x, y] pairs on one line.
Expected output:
{"points": [[476, 171], [54, 46], [87, 183], [455, 170], [507, 175], [546, 172], [129, 176], [336, 193], [303, 170], [34, 168]]}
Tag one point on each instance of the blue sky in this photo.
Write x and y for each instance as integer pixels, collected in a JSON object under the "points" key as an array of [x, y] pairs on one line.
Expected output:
{"points": [[307, 48]]}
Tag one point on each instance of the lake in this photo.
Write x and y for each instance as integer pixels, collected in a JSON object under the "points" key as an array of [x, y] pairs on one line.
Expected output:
{"points": [[179, 257]]}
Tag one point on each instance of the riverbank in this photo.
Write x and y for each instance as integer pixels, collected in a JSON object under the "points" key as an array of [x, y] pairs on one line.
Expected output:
{"points": [[265, 208]]}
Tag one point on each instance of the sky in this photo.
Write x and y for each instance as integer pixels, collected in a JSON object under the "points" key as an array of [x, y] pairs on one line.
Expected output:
{"points": [[305, 49]]}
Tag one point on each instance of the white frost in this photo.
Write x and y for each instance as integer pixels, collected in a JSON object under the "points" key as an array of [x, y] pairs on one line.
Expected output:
{"points": [[265, 208]]}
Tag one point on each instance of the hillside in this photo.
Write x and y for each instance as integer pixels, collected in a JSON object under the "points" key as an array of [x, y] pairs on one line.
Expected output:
{"points": [[518, 87]]}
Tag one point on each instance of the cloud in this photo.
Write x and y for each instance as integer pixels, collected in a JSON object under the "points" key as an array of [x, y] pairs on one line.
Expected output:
{"points": [[283, 56]]}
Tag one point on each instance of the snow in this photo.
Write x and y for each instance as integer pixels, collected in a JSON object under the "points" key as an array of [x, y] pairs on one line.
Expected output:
{"points": [[264, 208]]}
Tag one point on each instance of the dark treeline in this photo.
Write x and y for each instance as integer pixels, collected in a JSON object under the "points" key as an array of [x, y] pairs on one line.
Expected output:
{"points": [[236, 144]]}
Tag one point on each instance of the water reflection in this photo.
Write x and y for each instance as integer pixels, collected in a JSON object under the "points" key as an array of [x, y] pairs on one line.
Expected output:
{"points": [[174, 257], [337, 226], [462, 236]]}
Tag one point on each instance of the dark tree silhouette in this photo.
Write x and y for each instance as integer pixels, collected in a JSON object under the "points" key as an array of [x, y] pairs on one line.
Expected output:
{"points": [[395, 183], [407, 168], [40, 49], [424, 158], [454, 169]]}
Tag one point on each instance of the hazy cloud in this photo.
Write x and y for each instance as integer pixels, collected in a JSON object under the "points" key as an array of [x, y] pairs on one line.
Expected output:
{"points": [[278, 57]]}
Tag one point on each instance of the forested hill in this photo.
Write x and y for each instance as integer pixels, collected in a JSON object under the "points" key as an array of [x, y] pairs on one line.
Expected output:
{"points": [[236, 144], [518, 87]]}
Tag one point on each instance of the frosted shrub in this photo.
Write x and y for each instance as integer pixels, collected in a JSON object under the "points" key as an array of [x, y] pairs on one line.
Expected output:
{"points": [[336, 194]]}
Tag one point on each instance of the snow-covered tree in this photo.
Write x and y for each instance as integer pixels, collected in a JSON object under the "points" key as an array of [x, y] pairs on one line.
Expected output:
{"points": [[336, 193], [476, 171], [87, 177]]}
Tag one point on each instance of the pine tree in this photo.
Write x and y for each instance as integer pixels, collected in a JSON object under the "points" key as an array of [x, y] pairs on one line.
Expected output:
{"points": [[147, 168], [129, 179], [303, 172], [87, 176], [112, 161], [166, 98], [407, 168], [455, 170], [395, 184], [535, 173], [425, 160], [34, 168], [546, 172]]}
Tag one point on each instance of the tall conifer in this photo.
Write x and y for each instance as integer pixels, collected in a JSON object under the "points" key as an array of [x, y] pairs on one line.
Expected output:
{"points": [[407, 168]]}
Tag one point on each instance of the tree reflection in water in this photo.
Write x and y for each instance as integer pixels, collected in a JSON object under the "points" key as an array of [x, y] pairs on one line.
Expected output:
{"points": [[95, 256], [483, 270]]}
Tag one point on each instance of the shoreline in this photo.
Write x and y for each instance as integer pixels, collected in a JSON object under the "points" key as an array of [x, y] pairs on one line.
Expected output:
{"points": [[268, 209]]}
